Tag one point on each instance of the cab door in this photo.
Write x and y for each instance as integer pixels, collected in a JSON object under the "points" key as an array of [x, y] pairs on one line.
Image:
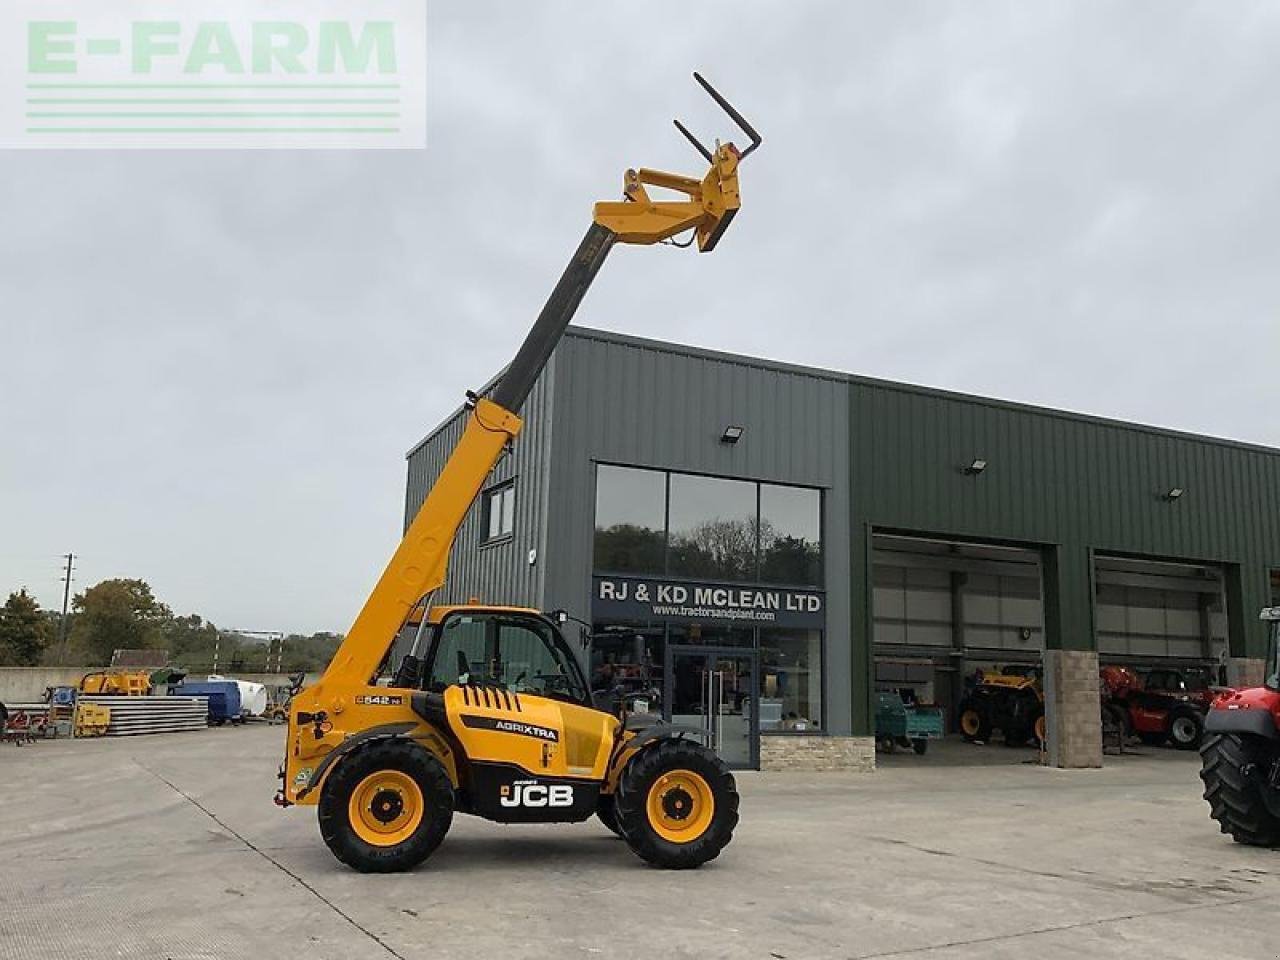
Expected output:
{"points": [[517, 704]]}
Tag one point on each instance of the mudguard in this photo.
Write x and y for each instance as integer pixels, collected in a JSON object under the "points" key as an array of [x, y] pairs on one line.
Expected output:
{"points": [[1258, 723], [386, 731], [663, 731], [644, 736]]}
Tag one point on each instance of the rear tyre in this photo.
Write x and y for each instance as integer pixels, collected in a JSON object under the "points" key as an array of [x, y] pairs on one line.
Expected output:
{"points": [[920, 746], [386, 807], [1186, 729], [607, 811], [1230, 763], [677, 804], [974, 724]]}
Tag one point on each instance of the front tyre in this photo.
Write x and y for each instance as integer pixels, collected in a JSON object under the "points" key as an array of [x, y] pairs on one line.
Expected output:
{"points": [[677, 804], [1233, 768], [386, 807]]}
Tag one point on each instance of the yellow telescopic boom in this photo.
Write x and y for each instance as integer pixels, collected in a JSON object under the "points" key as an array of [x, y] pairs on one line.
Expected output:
{"points": [[418, 566]]}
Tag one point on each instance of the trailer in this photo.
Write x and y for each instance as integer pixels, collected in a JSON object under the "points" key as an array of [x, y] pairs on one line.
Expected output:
{"points": [[906, 725]]}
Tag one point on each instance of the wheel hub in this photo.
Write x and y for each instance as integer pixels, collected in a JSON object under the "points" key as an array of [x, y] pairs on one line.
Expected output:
{"points": [[677, 804], [387, 806]]}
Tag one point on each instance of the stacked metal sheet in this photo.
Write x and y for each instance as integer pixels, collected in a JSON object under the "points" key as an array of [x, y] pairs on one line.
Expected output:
{"points": [[131, 716]]}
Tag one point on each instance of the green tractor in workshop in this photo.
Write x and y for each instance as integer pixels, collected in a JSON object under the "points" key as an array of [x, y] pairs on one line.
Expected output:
{"points": [[1011, 701]]}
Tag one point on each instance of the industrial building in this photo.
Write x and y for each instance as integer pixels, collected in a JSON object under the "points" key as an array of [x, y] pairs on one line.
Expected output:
{"points": [[764, 546]]}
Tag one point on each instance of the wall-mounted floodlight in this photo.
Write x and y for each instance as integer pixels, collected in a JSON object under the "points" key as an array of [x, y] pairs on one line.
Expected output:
{"points": [[976, 467], [731, 434], [1174, 493]]}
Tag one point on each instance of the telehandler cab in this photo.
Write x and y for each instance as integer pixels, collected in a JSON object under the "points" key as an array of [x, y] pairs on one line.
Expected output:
{"points": [[488, 712]]}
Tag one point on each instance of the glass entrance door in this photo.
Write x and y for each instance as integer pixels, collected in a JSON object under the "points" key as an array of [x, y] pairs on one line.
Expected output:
{"points": [[713, 688]]}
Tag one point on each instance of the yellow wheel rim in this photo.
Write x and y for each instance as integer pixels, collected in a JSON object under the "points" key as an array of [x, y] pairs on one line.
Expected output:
{"points": [[1040, 729], [386, 808], [970, 722], [680, 806]]}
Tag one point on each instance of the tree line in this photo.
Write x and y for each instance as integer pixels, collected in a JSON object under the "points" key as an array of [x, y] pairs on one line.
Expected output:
{"points": [[125, 614]]}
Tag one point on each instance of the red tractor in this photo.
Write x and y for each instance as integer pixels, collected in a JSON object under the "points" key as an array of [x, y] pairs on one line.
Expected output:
{"points": [[1241, 754], [1164, 706]]}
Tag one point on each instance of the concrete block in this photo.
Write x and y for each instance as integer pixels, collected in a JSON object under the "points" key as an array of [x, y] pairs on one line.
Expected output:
{"points": [[818, 754], [1073, 708]]}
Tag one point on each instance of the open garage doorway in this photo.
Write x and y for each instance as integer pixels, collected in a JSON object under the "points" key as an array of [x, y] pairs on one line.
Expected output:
{"points": [[1162, 631], [952, 616]]}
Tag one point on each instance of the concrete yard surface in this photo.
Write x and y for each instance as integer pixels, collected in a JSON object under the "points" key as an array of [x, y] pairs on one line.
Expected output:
{"points": [[169, 847]]}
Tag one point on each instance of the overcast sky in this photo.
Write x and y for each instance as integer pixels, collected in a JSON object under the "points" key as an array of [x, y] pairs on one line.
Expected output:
{"points": [[215, 362]]}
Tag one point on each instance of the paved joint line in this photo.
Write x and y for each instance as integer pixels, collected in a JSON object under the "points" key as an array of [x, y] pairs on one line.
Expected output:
{"points": [[272, 860], [1091, 880], [1081, 925]]}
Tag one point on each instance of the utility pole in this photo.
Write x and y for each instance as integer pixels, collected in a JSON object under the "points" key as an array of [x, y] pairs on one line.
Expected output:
{"points": [[66, 597]]}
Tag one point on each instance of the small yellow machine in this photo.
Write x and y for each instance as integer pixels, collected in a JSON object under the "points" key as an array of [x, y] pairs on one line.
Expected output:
{"points": [[91, 720], [1011, 701], [120, 683], [485, 710]]}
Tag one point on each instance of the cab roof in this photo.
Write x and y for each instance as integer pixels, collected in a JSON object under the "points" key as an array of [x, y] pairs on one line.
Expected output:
{"points": [[438, 613]]}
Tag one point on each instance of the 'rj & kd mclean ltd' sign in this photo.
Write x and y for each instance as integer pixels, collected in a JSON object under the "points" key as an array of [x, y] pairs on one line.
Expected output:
{"points": [[637, 598]]}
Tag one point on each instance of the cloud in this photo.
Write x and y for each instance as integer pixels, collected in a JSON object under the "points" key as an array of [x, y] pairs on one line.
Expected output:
{"points": [[215, 361]]}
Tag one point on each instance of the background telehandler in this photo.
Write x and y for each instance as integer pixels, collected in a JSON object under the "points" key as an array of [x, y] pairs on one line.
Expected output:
{"points": [[488, 712]]}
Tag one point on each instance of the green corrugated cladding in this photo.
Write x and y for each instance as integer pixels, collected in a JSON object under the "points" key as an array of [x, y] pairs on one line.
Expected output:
{"points": [[1070, 485]]}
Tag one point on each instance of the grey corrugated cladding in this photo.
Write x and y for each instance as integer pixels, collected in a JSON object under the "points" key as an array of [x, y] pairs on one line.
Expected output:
{"points": [[890, 457], [497, 572]]}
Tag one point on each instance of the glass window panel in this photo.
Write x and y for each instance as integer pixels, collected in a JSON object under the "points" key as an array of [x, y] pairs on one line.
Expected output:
{"points": [[517, 655], [500, 511], [459, 653], [630, 520], [627, 662], [713, 528], [790, 680], [493, 514], [508, 509], [790, 535], [529, 661]]}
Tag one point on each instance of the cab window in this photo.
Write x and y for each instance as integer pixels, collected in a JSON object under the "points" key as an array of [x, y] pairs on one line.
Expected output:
{"points": [[518, 654]]}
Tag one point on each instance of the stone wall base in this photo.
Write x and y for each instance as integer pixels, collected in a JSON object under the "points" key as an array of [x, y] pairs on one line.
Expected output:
{"points": [[1245, 671], [1073, 708], [818, 754]]}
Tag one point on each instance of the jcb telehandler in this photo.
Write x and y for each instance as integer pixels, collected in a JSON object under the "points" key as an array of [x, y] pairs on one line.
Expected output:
{"points": [[488, 712]]}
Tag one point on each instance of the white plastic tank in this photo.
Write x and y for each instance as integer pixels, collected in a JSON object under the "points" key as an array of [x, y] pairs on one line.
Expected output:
{"points": [[253, 696]]}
